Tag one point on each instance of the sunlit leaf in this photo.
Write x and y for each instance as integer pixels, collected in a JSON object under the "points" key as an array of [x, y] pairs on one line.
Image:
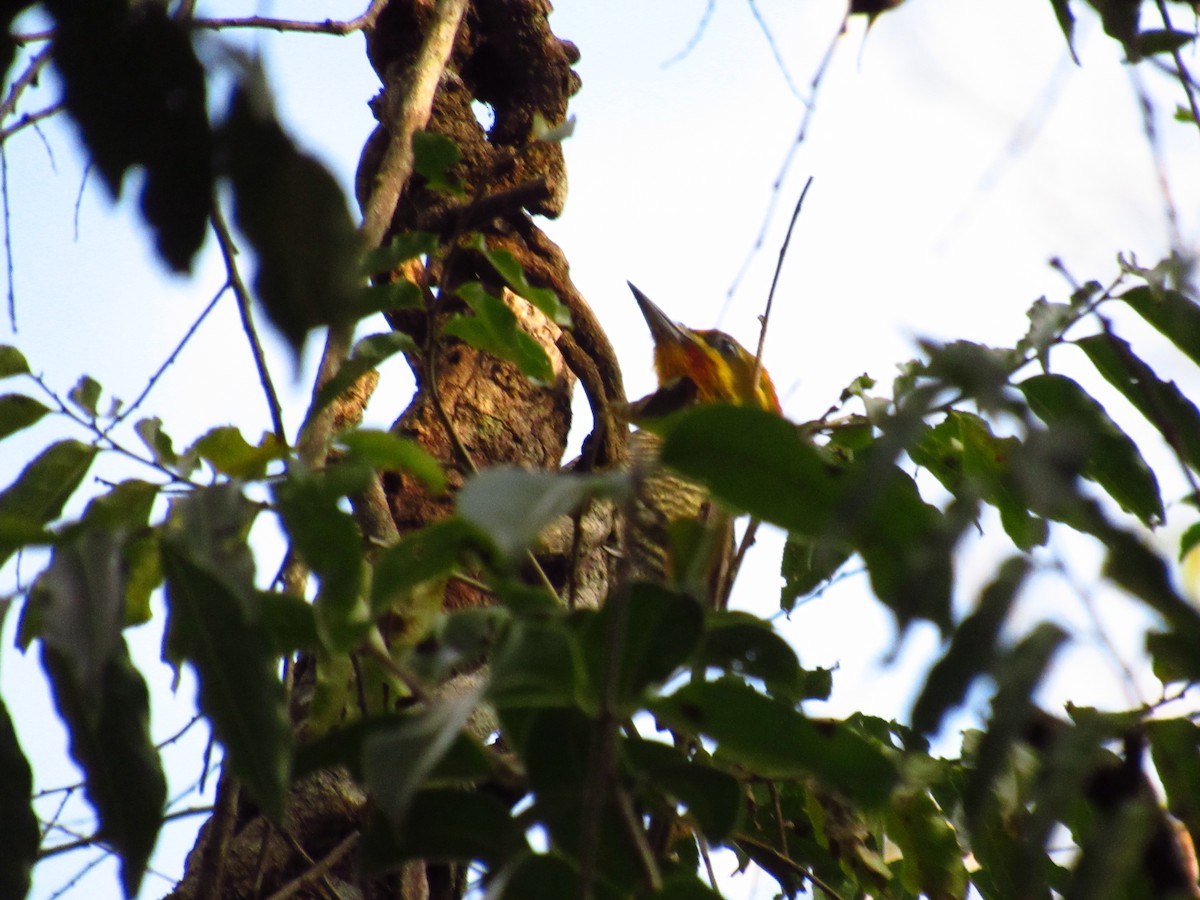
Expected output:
{"points": [[403, 247], [17, 412], [931, 863], [385, 450], [1113, 459], [510, 270], [12, 362], [37, 497], [109, 726], [494, 328], [434, 155], [230, 454]]}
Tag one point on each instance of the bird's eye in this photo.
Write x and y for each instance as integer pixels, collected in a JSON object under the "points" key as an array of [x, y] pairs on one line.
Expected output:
{"points": [[722, 343]]}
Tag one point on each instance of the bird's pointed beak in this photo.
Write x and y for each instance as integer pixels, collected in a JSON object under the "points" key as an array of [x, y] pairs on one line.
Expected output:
{"points": [[662, 329]]}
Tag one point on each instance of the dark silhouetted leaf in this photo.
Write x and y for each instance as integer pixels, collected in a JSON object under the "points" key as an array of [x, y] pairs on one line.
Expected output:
{"points": [[454, 825], [110, 741], [1113, 460], [1018, 674], [512, 505], [21, 832], [749, 647], [384, 450], [1143, 573], [12, 362], [1189, 540], [293, 213], [1175, 748], [494, 328], [713, 797], [1161, 402], [135, 89], [972, 649], [1175, 315], [290, 622], [17, 412], [36, 498], [1158, 40], [1066, 21], [366, 355], [773, 740], [230, 454]]}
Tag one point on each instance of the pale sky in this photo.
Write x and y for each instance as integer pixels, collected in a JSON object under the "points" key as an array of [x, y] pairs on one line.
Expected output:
{"points": [[953, 154]]}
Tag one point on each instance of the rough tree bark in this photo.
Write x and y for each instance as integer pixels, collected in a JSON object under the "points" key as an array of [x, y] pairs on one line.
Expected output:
{"points": [[484, 412]]}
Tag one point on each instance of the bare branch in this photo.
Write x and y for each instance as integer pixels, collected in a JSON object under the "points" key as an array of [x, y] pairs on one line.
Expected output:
{"points": [[26, 78]]}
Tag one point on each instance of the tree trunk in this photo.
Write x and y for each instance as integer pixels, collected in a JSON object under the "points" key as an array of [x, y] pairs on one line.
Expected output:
{"points": [[504, 57]]}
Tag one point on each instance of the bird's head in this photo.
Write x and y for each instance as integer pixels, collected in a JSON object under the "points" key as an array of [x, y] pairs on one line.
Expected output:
{"points": [[720, 368]]}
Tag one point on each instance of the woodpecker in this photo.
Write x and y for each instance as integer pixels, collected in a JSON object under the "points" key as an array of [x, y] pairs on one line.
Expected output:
{"points": [[692, 367]]}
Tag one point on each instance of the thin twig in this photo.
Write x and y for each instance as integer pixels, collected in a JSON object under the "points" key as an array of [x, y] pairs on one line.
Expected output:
{"points": [[168, 362], [30, 120], [317, 870], [1185, 78], [8, 248], [788, 863], [694, 40], [637, 835], [36, 63], [329, 26], [775, 52], [229, 255], [1150, 131]]}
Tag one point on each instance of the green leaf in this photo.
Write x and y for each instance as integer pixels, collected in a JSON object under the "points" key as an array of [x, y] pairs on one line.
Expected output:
{"points": [[21, 832], [432, 552], [1017, 676], [1189, 540], [932, 858], [1161, 402], [289, 621], [1175, 748], [972, 649], [1066, 21], [83, 607], [1113, 459], [434, 155], [494, 328], [86, 394], [656, 632], [1047, 322], [230, 454], [1175, 315], [403, 247], [454, 825], [774, 740], [537, 664], [388, 296], [293, 213], [366, 355], [507, 266], [17, 412], [109, 726], [757, 462], [37, 497], [713, 797], [1143, 573], [512, 505], [384, 450], [398, 759], [237, 671], [134, 87], [12, 362], [327, 538], [807, 564], [748, 647]]}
